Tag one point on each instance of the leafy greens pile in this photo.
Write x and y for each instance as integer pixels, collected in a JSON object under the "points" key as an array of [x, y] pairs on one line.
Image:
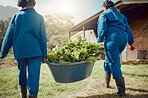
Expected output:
{"points": [[75, 52]]}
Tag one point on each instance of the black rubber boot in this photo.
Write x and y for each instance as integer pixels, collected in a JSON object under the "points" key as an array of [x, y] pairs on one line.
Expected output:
{"points": [[33, 96], [107, 79], [121, 86], [23, 93]]}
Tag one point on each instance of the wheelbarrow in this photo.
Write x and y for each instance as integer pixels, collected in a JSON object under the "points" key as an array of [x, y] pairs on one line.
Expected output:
{"points": [[70, 73]]}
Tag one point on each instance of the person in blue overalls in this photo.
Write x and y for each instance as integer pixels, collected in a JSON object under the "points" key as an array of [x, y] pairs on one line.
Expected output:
{"points": [[114, 27], [26, 33]]}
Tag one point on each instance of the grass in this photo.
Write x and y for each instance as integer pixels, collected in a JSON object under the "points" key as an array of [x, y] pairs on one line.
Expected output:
{"points": [[9, 57], [136, 80]]}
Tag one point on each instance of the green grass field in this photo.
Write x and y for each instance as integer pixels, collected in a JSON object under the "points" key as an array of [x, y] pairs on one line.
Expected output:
{"points": [[136, 80]]}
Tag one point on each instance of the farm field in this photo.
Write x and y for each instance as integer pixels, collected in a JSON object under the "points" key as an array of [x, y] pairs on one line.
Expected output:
{"points": [[136, 80]]}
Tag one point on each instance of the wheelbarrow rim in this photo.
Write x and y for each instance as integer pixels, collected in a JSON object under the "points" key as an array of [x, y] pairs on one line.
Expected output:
{"points": [[60, 65]]}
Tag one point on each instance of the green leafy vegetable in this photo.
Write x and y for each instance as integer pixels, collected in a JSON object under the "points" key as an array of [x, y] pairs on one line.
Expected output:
{"points": [[75, 52]]}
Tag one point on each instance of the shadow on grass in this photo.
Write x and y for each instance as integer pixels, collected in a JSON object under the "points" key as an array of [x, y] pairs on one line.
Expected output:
{"points": [[135, 75], [111, 96], [111, 87], [139, 90], [127, 95]]}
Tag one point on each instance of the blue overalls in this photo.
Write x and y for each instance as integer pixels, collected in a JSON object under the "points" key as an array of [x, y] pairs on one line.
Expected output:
{"points": [[26, 32], [114, 27]]}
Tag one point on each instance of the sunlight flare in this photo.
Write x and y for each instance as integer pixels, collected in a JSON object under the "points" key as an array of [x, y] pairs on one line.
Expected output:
{"points": [[66, 7]]}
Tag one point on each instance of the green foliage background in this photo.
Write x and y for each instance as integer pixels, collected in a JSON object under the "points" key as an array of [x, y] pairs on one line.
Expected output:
{"points": [[3, 27], [56, 29]]}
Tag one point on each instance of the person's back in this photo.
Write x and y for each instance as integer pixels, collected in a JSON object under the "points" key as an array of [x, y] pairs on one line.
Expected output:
{"points": [[113, 26], [112, 22], [27, 34], [116, 22]]}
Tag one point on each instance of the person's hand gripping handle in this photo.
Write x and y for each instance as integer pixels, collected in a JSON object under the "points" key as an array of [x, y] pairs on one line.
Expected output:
{"points": [[44, 59], [132, 47]]}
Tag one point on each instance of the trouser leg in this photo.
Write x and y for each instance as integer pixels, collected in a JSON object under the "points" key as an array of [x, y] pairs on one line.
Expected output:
{"points": [[120, 81], [113, 57], [114, 45], [114, 63], [33, 75], [22, 63], [22, 72], [113, 51], [106, 66]]}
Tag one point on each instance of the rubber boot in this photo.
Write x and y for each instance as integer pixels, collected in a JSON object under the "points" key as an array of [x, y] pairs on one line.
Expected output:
{"points": [[33, 96], [23, 93], [107, 79], [121, 87]]}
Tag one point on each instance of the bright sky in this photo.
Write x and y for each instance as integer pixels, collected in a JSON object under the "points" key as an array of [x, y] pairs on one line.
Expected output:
{"points": [[79, 9]]}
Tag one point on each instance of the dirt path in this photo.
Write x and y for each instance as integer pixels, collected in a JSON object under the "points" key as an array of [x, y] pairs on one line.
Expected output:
{"points": [[8, 64]]}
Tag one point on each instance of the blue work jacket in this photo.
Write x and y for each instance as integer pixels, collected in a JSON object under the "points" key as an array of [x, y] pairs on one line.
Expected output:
{"points": [[111, 22], [26, 32]]}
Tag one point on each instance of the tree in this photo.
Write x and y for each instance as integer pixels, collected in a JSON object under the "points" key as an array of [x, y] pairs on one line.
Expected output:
{"points": [[3, 28], [56, 29]]}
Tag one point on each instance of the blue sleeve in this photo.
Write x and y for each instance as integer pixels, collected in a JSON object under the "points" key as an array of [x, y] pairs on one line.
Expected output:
{"points": [[130, 34], [43, 42], [8, 38], [102, 28]]}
